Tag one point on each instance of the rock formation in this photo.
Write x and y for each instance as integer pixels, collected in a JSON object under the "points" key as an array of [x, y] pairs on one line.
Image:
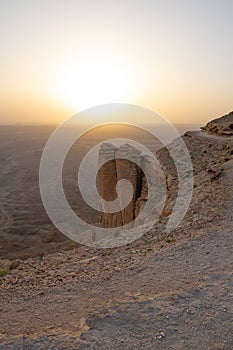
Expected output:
{"points": [[220, 126], [148, 186], [118, 164]]}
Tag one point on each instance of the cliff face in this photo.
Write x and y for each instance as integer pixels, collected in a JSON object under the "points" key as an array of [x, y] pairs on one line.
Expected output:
{"points": [[116, 167], [221, 126], [118, 164], [149, 187]]}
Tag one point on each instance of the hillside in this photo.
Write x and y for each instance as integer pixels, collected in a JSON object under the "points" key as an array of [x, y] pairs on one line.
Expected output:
{"points": [[163, 291]]}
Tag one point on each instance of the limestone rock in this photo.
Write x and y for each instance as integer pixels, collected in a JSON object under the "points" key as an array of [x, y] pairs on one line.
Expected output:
{"points": [[119, 164], [107, 181], [221, 126], [135, 181]]}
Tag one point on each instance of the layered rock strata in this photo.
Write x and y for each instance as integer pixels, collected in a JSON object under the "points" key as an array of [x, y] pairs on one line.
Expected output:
{"points": [[114, 167], [126, 163]]}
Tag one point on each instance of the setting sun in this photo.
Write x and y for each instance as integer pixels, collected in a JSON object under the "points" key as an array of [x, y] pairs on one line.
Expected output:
{"points": [[74, 55], [93, 81]]}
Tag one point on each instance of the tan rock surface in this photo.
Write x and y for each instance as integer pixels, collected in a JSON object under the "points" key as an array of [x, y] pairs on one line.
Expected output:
{"points": [[122, 167], [220, 126]]}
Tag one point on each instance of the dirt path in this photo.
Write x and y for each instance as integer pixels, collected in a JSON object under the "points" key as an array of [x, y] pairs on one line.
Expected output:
{"points": [[205, 135], [177, 298]]}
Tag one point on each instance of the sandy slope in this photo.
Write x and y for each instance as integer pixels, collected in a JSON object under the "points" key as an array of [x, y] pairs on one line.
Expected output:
{"points": [[169, 296]]}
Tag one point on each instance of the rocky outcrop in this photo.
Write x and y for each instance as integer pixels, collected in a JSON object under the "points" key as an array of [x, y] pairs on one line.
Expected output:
{"points": [[221, 126], [118, 164], [136, 204]]}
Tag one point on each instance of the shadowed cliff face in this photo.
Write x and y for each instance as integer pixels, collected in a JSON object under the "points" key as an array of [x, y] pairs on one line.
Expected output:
{"points": [[116, 168]]}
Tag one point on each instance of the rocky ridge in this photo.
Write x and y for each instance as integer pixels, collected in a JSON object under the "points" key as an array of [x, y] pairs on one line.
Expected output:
{"points": [[221, 126]]}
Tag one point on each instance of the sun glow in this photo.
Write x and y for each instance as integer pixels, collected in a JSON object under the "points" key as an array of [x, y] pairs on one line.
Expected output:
{"points": [[95, 81]]}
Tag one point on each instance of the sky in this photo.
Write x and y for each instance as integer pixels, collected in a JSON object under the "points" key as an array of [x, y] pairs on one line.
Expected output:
{"points": [[59, 57]]}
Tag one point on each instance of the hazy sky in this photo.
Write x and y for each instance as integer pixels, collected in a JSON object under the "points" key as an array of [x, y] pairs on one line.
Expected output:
{"points": [[60, 56]]}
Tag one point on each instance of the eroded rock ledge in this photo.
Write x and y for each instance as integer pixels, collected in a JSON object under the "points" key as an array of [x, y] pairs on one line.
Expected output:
{"points": [[117, 166], [220, 126]]}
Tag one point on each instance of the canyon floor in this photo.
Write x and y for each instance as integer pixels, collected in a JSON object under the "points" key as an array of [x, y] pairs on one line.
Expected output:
{"points": [[160, 292]]}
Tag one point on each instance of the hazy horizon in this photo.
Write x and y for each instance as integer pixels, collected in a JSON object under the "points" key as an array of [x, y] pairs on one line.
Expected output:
{"points": [[184, 126]]}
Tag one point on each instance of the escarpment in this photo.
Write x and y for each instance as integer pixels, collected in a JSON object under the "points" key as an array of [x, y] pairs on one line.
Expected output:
{"points": [[128, 163], [209, 151]]}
